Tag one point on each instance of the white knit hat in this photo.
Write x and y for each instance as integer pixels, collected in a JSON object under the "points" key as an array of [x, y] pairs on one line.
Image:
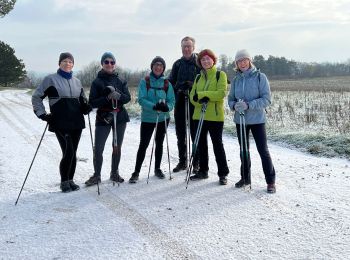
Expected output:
{"points": [[242, 54]]}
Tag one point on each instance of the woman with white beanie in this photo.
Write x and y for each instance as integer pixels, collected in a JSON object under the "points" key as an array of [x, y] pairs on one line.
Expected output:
{"points": [[249, 96]]}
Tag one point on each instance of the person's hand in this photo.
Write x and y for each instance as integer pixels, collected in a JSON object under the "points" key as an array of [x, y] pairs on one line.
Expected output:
{"points": [[195, 97], [163, 107], [46, 117], [204, 100], [241, 106], [86, 108], [114, 95], [109, 89], [157, 107]]}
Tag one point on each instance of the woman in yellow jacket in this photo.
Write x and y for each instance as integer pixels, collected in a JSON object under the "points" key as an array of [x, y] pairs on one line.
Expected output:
{"points": [[210, 87]]}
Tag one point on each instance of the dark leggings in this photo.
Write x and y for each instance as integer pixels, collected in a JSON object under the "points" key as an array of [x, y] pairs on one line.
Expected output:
{"points": [[146, 131], [68, 140], [259, 134], [101, 135]]}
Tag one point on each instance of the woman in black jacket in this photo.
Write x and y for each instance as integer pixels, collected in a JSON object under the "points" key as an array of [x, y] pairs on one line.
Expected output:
{"points": [[67, 105], [108, 94]]}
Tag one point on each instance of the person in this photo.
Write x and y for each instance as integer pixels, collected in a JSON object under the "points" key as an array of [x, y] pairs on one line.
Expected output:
{"points": [[182, 75], [249, 96], [109, 94], [209, 88], [156, 98], [68, 104]]}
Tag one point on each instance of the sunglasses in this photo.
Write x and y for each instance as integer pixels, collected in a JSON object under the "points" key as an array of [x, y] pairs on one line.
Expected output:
{"points": [[109, 62]]}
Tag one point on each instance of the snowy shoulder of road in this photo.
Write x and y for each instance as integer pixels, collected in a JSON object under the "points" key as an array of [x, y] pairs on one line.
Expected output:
{"points": [[308, 217]]}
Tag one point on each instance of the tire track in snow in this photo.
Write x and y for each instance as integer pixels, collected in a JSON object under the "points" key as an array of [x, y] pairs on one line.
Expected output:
{"points": [[167, 246]]}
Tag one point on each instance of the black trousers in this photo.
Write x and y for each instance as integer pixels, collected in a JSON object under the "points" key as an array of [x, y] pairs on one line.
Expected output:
{"points": [[259, 134], [215, 130], [101, 135], [180, 128], [68, 140], [146, 131]]}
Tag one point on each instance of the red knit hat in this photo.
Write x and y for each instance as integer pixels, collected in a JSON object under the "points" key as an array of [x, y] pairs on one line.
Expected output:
{"points": [[205, 52]]}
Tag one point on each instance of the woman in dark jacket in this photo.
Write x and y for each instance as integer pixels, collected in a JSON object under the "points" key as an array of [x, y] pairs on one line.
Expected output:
{"points": [[67, 105], [108, 90]]}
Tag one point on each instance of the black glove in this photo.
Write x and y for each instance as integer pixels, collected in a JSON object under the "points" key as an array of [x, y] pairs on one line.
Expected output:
{"points": [[85, 107], [163, 107], [195, 97], [204, 100], [46, 117], [157, 107]]}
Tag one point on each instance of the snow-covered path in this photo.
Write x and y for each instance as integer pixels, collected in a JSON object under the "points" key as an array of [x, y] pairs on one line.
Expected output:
{"points": [[308, 217]]}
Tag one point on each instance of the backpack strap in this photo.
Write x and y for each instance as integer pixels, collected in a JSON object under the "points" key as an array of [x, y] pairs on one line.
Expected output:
{"points": [[198, 77], [217, 75], [165, 86]]}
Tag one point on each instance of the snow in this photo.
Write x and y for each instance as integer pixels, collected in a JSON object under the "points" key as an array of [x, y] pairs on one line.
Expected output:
{"points": [[308, 217]]}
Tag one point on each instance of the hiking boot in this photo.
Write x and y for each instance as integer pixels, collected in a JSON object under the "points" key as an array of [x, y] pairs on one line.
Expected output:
{"points": [[223, 180], [93, 180], [73, 186], [242, 183], [134, 177], [195, 168], [200, 175], [271, 188], [180, 167], [158, 172], [116, 178], [65, 186]]}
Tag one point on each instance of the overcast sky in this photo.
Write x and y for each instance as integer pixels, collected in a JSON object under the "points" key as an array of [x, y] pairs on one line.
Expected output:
{"points": [[136, 31]]}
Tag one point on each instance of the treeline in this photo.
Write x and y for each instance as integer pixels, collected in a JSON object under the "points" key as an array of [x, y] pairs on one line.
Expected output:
{"points": [[281, 68]]}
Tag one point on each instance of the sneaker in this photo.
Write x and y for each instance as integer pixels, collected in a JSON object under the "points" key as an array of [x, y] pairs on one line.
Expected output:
{"points": [[241, 183], [134, 177], [73, 186], [65, 186], [180, 167], [200, 175], [158, 172], [223, 180], [93, 180], [116, 178], [271, 188]]}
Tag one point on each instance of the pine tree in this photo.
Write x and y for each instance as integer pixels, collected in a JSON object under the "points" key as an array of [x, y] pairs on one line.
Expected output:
{"points": [[6, 6], [12, 70]]}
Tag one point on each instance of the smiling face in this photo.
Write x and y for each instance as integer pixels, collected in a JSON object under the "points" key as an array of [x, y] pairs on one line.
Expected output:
{"points": [[243, 64], [158, 68], [66, 65], [207, 62], [187, 48], [108, 65]]}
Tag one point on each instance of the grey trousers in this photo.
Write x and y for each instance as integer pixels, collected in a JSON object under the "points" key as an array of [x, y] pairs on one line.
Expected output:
{"points": [[101, 135]]}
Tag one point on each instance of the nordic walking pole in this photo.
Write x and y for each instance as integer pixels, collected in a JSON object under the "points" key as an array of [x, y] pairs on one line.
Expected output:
{"points": [[167, 145], [42, 136], [93, 152], [115, 140], [154, 140], [188, 130], [196, 140], [244, 146]]}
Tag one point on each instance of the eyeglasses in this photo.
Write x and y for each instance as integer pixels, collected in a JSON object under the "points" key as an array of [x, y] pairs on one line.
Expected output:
{"points": [[109, 62]]}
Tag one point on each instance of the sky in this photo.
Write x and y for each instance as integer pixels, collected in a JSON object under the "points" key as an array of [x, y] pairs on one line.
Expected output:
{"points": [[136, 31]]}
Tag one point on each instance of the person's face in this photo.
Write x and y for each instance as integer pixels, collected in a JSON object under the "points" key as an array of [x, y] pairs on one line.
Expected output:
{"points": [[158, 68], [243, 64], [66, 65], [187, 48], [207, 62], [108, 65]]}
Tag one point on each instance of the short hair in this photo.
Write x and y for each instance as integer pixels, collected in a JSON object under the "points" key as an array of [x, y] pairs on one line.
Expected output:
{"points": [[188, 38], [207, 52]]}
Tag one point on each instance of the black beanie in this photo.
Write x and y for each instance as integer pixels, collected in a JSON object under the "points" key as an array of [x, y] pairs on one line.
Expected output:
{"points": [[65, 55], [158, 59]]}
